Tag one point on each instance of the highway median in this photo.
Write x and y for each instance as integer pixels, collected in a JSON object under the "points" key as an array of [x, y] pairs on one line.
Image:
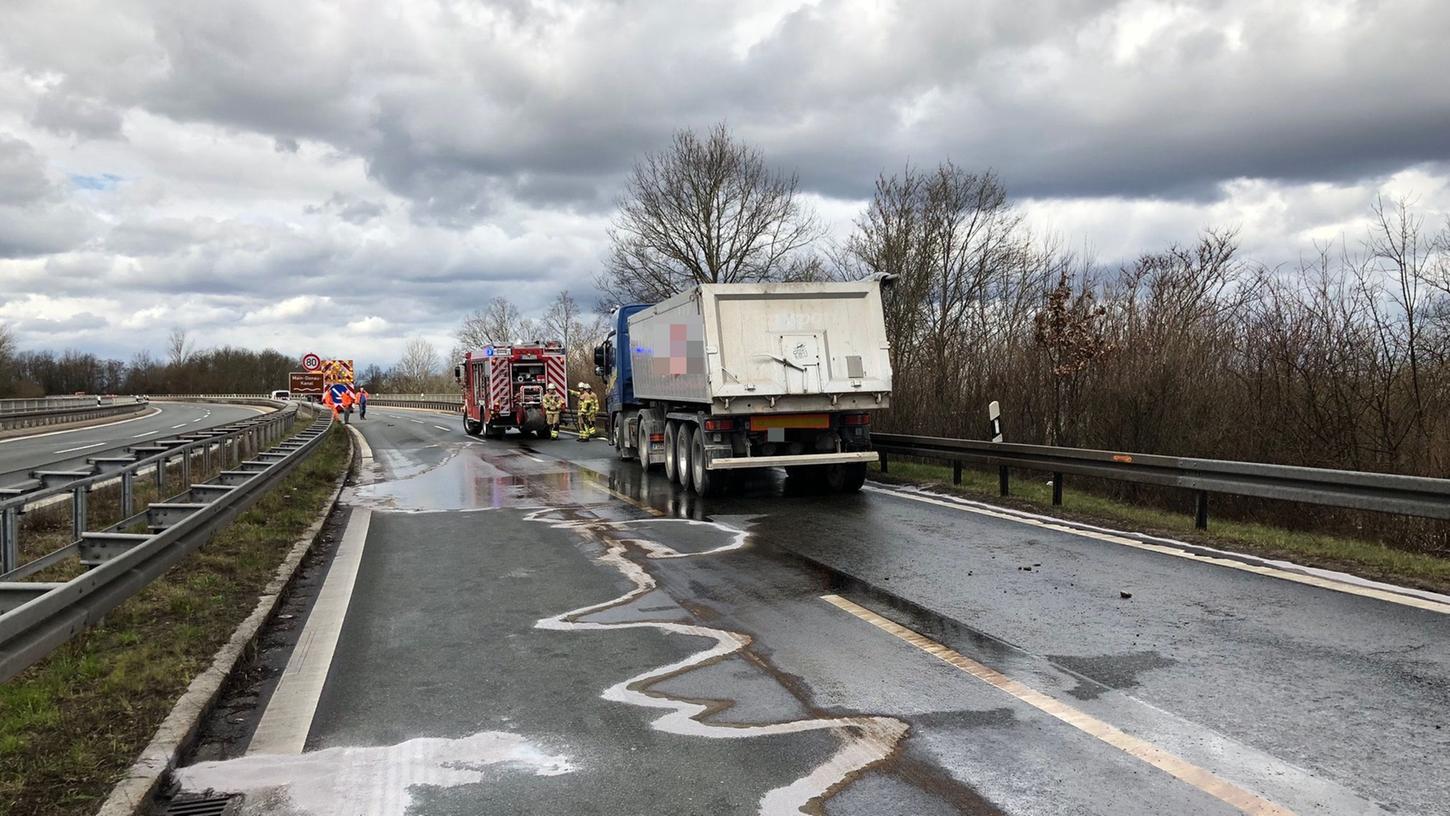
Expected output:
{"points": [[71, 725]]}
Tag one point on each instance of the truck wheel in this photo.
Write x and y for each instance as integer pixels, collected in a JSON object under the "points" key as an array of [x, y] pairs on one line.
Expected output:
{"points": [[621, 443], [846, 478], [471, 427], [706, 482], [671, 465], [682, 455], [643, 450]]}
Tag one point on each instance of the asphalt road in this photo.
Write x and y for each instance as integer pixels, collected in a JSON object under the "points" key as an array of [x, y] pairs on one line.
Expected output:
{"points": [[60, 450], [535, 627]]}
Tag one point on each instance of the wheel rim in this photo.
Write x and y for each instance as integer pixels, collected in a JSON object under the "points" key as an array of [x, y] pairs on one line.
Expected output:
{"points": [[682, 456], [643, 449], [670, 452]]}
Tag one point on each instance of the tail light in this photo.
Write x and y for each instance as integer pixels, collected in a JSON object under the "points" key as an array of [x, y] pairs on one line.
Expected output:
{"points": [[855, 419], [714, 425], [656, 438]]}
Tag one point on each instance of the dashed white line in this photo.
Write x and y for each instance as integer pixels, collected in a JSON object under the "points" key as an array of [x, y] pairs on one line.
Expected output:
{"points": [[154, 412], [182, 425], [441, 427], [198, 419], [419, 421], [148, 433], [82, 447]]}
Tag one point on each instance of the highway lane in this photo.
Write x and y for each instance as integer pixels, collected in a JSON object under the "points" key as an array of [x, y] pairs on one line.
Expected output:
{"points": [[59, 450], [588, 640]]}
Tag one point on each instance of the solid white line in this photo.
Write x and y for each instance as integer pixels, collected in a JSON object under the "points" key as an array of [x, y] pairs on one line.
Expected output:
{"points": [[441, 427], [82, 447], [284, 725], [154, 412], [1349, 585]]}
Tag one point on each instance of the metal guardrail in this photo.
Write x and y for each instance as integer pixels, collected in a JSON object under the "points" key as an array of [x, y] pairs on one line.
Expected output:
{"points": [[38, 417], [1383, 492], [14, 406], [36, 616]]}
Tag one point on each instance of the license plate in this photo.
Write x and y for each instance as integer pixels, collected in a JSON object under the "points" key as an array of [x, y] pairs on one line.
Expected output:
{"points": [[765, 423]]}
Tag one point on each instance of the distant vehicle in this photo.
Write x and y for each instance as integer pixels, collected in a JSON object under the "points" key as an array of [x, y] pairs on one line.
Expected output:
{"points": [[142, 398], [741, 375], [282, 395], [503, 387]]}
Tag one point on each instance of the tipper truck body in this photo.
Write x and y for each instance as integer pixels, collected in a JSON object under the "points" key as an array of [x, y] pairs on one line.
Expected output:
{"points": [[729, 377], [503, 387]]}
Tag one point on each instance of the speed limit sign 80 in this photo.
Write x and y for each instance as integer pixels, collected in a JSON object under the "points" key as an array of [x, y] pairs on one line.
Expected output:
{"points": [[311, 362]]}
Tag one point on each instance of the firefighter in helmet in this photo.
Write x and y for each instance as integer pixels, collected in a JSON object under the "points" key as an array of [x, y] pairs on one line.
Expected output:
{"points": [[588, 410], [553, 404]]}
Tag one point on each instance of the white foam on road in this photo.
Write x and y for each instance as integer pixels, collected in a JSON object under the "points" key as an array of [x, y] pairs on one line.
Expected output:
{"points": [[367, 781], [866, 740]]}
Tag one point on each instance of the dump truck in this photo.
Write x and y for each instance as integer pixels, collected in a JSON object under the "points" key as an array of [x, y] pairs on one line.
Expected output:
{"points": [[503, 387], [732, 376]]}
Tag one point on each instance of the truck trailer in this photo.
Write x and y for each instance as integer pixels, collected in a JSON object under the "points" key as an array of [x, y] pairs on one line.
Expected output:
{"points": [[503, 387], [733, 376]]}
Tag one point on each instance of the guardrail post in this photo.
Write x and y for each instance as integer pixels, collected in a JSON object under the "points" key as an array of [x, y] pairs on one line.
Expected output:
{"points": [[1057, 489], [1200, 511], [1003, 487], [884, 468], [186, 468], [128, 493], [956, 472], [9, 539], [161, 476], [78, 511]]}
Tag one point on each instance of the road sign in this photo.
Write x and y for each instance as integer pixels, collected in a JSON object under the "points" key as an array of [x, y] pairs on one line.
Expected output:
{"points": [[306, 383], [337, 371], [337, 390], [311, 362]]}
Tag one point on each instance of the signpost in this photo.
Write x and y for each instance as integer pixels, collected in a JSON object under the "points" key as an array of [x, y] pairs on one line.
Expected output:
{"points": [[306, 383]]}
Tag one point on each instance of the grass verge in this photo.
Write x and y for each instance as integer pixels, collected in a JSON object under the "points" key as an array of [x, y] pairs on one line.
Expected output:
{"points": [[71, 724], [1368, 559]]}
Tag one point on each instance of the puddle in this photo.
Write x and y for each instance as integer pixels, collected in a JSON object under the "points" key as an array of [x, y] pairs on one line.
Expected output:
{"points": [[469, 480]]}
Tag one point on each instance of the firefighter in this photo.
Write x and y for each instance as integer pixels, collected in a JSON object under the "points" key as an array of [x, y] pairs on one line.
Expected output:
{"points": [[588, 410], [553, 405]]}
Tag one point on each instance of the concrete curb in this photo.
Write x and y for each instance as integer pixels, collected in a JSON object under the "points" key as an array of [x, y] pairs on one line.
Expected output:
{"points": [[132, 794]]}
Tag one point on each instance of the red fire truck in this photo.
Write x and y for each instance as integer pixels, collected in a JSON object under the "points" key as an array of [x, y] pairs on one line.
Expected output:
{"points": [[503, 387]]}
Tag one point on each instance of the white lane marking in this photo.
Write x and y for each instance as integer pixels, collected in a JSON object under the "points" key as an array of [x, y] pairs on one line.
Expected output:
{"points": [[1349, 585], [378, 781], [419, 421], [200, 418], [82, 447], [154, 412], [284, 725], [535, 458], [148, 433], [442, 427], [182, 425], [865, 740]]}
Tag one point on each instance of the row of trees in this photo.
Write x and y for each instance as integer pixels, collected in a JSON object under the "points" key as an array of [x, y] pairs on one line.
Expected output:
{"points": [[1341, 360]]}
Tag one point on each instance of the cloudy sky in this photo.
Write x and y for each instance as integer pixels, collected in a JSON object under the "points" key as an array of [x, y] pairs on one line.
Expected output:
{"points": [[322, 176]]}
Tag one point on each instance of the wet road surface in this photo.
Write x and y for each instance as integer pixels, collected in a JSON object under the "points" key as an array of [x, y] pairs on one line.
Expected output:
{"points": [[64, 449], [536, 627]]}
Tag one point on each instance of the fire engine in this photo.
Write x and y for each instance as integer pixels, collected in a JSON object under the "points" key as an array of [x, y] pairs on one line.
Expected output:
{"points": [[503, 387]]}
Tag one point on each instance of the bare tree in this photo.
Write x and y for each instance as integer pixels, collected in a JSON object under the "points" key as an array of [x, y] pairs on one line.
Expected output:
{"points": [[416, 370], [7, 353], [498, 323], [561, 322], [179, 347], [705, 210]]}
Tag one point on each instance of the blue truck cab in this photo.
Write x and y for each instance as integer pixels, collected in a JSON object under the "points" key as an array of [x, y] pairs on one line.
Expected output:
{"points": [[611, 362]]}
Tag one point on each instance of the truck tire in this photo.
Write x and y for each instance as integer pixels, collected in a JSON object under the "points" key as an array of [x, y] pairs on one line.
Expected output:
{"points": [[671, 465], [472, 427], [845, 478], [706, 482], [643, 450], [682, 455], [621, 443]]}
